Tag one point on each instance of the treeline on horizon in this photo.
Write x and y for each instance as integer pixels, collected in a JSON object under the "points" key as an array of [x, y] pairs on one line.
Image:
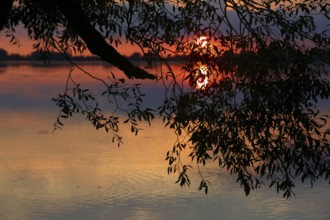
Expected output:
{"points": [[323, 54], [53, 56]]}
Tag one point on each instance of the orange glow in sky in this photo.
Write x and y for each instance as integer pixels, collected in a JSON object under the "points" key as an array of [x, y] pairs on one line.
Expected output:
{"points": [[25, 46]]}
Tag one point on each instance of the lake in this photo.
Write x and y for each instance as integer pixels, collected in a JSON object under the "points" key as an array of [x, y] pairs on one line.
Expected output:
{"points": [[78, 173]]}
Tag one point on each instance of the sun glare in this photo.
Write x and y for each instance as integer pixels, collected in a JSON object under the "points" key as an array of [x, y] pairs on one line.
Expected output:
{"points": [[202, 78], [202, 41]]}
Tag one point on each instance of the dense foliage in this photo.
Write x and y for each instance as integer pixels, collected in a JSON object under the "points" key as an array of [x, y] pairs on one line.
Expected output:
{"points": [[248, 91]]}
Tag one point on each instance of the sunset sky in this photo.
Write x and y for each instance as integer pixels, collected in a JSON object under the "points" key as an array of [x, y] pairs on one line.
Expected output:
{"points": [[25, 47]]}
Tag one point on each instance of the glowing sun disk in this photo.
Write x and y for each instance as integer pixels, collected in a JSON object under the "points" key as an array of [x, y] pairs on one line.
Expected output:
{"points": [[202, 41]]}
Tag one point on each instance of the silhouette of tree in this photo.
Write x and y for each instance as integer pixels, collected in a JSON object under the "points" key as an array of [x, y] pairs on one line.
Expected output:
{"points": [[246, 96], [3, 54]]}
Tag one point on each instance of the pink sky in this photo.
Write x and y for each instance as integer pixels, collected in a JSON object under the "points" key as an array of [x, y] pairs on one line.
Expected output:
{"points": [[25, 47]]}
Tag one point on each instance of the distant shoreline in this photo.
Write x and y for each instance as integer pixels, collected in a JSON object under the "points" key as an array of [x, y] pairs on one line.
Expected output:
{"points": [[57, 57]]}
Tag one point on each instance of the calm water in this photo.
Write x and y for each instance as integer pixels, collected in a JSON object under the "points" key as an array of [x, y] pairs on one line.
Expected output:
{"points": [[78, 173]]}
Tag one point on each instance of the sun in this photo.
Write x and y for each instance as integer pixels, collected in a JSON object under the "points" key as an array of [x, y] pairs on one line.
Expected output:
{"points": [[202, 78], [202, 41]]}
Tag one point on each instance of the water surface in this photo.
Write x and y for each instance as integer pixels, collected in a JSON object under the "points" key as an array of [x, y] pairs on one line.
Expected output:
{"points": [[78, 173]]}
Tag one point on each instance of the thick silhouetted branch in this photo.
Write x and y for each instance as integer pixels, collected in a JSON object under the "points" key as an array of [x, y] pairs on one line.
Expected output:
{"points": [[96, 43], [5, 8]]}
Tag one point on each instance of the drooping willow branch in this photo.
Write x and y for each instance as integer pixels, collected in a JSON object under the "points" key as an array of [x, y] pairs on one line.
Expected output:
{"points": [[95, 41], [78, 100]]}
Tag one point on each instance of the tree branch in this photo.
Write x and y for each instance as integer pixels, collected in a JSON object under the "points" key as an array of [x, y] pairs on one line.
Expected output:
{"points": [[96, 43], [5, 8]]}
